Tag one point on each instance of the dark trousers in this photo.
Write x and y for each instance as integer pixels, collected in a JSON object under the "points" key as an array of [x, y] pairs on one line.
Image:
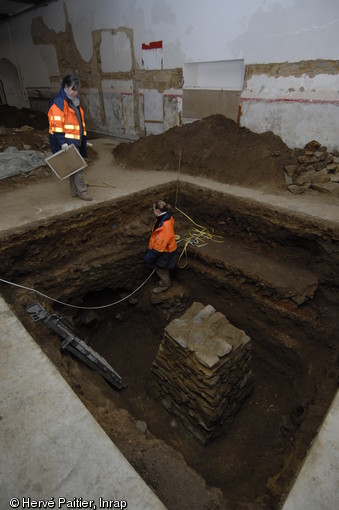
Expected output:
{"points": [[164, 275]]}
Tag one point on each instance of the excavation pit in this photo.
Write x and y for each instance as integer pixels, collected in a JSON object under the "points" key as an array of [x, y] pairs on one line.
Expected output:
{"points": [[273, 276]]}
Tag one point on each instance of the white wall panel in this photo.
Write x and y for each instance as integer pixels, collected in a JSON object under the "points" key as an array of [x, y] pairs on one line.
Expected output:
{"points": [[222, 75]]}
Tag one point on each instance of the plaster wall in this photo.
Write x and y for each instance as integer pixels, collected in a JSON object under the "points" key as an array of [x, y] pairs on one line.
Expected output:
{"points": [[299, 107], [210, 30], [295, 123], [111, 43]]}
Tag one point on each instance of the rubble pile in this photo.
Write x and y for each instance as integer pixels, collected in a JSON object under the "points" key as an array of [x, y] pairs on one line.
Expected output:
{"points": [[203, 369], [24, 138], [316, 168]]}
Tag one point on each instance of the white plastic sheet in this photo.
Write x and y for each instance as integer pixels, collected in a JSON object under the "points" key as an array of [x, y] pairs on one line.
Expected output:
{"points": [[15, 162]]}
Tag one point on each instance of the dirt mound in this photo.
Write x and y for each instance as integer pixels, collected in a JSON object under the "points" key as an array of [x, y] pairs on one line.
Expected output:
{"points": [[215, 147], [23, 128], [12, 117], [25, 137]]}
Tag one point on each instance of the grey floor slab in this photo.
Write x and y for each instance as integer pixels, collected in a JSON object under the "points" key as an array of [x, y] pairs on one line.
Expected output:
{"points": [[51, 446], [317, 485]]}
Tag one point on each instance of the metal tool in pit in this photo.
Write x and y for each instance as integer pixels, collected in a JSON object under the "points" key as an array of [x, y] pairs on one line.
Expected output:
{"points": [[75, 345]]}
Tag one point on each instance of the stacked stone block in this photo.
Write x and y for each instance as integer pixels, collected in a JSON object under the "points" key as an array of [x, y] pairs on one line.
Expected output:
{"points": [[203, 368], [316, 168]]}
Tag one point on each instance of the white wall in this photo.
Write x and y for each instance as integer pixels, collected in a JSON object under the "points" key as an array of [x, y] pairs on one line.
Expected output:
{"points": [[255, 31], [206, 30], [296, 108], [258, 31]]}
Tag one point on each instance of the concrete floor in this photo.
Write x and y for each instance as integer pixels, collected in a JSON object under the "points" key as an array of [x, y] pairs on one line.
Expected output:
{"points": [[51, 446]]}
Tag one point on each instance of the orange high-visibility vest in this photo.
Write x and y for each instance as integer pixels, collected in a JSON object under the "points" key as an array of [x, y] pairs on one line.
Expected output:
{"points": [[163, 238], [65, 121]]}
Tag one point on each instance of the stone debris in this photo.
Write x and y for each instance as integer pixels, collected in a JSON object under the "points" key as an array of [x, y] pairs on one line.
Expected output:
{"points": [[203, 368], [315, 169], [173, 302]]}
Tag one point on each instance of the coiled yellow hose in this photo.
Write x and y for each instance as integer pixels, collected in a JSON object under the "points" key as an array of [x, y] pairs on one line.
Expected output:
{"points": [[197, 237]]}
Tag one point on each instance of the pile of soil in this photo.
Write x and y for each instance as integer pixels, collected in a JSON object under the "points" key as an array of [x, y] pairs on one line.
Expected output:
{"points": [[215, 147], [24, 138], [12, 117], [23, 128]]}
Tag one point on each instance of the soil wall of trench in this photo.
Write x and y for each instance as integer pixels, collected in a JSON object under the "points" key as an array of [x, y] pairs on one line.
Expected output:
{"points": [[273, 274]]}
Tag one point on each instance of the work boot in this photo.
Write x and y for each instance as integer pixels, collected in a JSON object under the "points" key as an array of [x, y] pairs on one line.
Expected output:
{"points": [[85, 196], [159, 289]]}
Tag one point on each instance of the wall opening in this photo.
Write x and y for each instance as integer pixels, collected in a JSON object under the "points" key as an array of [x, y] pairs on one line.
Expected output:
{"points": [[212, 87]]}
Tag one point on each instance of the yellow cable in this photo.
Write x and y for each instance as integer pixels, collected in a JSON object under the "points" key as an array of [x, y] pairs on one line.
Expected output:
{"points": [[196, 238]]}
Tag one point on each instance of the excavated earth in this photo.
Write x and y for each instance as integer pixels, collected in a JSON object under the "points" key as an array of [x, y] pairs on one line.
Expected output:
{"points": [[272, 273], [220, 149], [214, 147]]}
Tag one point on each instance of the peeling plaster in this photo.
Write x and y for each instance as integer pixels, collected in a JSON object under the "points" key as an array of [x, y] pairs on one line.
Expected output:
{"points": [[298, 101], [310, 67], [95, 72], [115, 51]]}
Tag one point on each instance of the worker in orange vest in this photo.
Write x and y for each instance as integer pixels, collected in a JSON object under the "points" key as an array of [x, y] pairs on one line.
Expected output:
{"points": [[67, 126], [162, 253]]}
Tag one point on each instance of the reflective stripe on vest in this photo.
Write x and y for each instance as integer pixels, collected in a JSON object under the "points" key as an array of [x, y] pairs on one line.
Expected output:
{"points": [[71, 130]]}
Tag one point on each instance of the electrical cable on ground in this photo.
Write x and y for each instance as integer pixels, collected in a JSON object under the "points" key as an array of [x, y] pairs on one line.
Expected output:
{"points": [[74, 306], [197, 237]]}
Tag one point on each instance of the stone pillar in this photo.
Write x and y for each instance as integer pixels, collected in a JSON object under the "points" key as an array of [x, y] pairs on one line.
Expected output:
{"points": [[203, 368]]}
